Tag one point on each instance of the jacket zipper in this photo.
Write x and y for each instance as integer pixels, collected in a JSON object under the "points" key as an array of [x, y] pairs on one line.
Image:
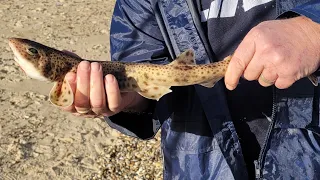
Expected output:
{"points": [[258, 163]]}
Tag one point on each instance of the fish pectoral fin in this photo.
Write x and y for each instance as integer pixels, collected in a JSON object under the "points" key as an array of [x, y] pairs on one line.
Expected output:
{"points": [[61, 94], [187, 57], [154, 92], [314, 79], [211, 83]]}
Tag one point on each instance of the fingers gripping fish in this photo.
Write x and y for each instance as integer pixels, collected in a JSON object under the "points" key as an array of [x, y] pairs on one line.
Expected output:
{"points": [[151, 81]]}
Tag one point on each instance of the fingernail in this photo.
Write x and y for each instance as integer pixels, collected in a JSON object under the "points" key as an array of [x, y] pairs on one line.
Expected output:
{"points": [[109, 79], [95, 66], [229, 87], [85, 66], [82, 110]]}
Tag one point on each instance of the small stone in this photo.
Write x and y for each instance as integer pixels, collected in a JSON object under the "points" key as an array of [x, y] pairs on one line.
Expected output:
{"points": [[46, 141], [23, 141], [115, 133], [37, 102], [66, 139], [103, 31], [35, 154], [98, 46], [18, 24], [43, 149], [39, 9]]}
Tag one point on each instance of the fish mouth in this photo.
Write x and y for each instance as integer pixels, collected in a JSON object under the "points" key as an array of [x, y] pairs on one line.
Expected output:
{"points": [[17, 60], [13, 48], [11, 43], [17, 47], [15, 52]]}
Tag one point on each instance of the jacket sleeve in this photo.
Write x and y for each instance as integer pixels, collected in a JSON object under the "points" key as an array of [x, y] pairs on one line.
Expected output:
{"points": [[136, 37], [310, 9]]}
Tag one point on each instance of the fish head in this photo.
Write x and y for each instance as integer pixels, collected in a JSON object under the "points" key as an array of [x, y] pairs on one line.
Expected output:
{"points": [[28, 54]]}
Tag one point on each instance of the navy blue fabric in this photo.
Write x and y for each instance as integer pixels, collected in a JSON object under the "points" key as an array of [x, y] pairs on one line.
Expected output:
{"points": [[183, 34], [225, 33], [293, 147], [249, 101], [308, 8], [199, 140], [136, 37]]}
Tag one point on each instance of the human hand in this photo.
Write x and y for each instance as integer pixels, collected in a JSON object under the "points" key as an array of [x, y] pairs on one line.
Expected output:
{"points": [[276, 52], [98, 96]]}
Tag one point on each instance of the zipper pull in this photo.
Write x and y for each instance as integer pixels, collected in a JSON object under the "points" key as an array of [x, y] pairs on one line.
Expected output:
{"points": [[257, 169]]}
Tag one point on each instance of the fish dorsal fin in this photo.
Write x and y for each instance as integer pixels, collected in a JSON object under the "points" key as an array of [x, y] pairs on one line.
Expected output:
{"points": [[154, 92], [185, 58], [61, 94]]}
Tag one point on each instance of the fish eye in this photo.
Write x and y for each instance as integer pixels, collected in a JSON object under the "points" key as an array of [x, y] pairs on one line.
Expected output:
{"points": [[32, 51]]}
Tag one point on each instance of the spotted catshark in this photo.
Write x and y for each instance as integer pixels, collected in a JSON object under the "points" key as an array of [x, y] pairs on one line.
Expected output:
{"points": [[151, 81]]}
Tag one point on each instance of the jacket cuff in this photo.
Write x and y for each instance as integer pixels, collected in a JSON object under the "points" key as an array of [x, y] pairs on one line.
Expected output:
{"points": [[139, 125], [310, 10]]}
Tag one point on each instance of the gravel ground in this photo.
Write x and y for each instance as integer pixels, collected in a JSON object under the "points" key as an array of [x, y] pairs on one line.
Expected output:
{"points": [[37, 140]]}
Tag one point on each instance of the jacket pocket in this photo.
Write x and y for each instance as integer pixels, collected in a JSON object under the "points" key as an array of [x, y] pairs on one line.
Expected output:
{"points": [[192, 155], [294, 153]]}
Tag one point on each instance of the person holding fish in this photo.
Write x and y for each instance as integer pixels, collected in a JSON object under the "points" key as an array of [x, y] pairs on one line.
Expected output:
{"points": [[260, 121]]}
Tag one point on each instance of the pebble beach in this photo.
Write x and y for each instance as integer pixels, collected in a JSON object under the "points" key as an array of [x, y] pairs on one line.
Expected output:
{"points": [[38, 140]]}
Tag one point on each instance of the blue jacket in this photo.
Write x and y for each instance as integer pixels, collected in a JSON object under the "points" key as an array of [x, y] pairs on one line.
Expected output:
{"points": [[199, 139]]}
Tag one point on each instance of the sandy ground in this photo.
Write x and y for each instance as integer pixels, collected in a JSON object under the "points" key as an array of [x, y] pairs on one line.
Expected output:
{"points": [[37, 140]]}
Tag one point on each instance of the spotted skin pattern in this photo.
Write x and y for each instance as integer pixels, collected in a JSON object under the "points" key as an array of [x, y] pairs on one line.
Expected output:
{"points": [[150, 80]]}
